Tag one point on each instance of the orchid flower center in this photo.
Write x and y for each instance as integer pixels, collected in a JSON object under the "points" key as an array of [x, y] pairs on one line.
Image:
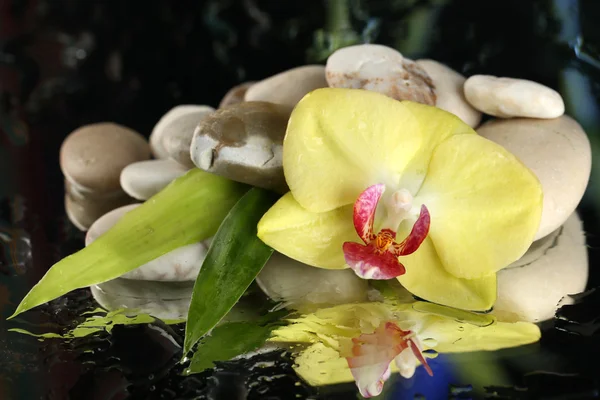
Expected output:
{"points": [[384, 240], [378, 257]]}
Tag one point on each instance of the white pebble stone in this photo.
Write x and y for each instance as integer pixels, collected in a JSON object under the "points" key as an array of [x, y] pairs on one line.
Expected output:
{"points": [[181, 264], [288, 87], [556, 266], [177, 138], [160, 129], [449, 91], [144, 179], [559, 154], [509, 97]]}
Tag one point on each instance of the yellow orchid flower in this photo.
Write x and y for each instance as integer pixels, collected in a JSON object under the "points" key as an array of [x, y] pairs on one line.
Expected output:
{"points": [[357, 160], [366, 342]]}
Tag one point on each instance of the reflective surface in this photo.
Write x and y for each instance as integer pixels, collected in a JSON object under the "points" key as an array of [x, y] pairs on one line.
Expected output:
{"points": [[67, 63]]}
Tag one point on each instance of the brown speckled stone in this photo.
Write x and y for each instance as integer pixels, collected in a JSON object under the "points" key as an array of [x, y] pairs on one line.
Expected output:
{"points": [[380, 69], [244, 142]]}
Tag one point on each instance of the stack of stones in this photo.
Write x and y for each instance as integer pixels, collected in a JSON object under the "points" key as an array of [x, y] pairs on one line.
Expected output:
{"points": [[242, 140], [108, 172], [91, 159]]}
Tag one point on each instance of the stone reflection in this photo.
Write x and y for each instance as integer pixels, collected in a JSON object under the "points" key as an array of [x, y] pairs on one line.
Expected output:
{"points": [[164, 300], [532, 288]]}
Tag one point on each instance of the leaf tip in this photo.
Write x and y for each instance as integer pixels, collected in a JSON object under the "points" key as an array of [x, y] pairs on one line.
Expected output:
{"points": [[20, 309]]}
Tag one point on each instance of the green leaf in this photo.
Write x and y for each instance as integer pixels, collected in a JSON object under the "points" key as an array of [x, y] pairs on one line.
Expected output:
{"points": [[188, 210], [232, 339], [235, 257]]}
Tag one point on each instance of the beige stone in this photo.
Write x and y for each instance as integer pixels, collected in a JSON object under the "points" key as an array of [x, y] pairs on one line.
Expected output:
{"points": [[288, 87], [509, 97], [449, 91], [94, 155], [84, 211], [178, 133], [235, 94], [380, 69], [559, 154], [158, 132]]}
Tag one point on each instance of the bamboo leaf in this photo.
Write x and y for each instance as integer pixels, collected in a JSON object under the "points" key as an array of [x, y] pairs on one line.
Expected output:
{"points": [[190, 209], [234, 259]]}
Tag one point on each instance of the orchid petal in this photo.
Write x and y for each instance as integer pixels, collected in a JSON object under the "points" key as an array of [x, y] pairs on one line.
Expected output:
{"points": [[436, 125], [484, 203], [312, 238], [416, 236], [340, 141], [364, 211], [426, 277], [367, 264]]}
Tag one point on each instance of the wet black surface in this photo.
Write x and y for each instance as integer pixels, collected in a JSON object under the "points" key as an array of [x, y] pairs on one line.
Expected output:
{"points": [[67, 63]]}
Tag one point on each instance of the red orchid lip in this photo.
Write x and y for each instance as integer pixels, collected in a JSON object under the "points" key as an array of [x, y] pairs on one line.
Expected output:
{"points": [[378, 257]]}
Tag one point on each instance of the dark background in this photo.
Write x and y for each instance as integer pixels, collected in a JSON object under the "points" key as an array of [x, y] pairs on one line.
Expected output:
{"points": [[65, 63]]}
